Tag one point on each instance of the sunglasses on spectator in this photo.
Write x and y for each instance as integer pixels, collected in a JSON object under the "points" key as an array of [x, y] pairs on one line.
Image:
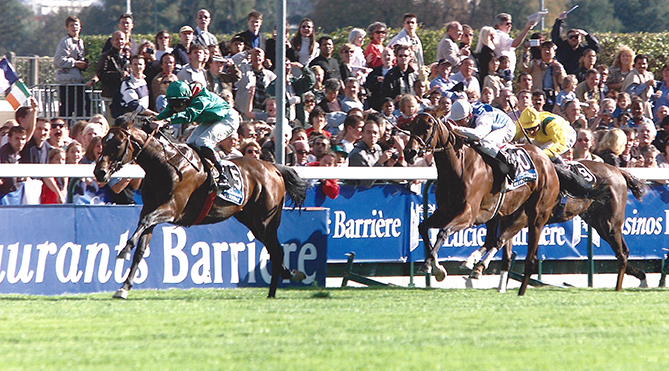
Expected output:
{"points": [[301, 151], [381, 32], [252, 151], [309, 101], [307, 26], [59, 126], [573, 36]]}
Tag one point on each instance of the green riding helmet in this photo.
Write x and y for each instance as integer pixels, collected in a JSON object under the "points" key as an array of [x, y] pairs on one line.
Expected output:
{"points": [[178, 95]]}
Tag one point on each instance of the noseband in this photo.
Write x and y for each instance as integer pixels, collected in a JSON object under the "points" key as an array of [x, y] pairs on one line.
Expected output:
{"points": [[129, 141], [425, 145]]}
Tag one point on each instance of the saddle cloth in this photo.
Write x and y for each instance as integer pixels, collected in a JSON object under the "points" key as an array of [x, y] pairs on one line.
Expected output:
{"points": [[583, 172], [525, 169], [235, 193]]}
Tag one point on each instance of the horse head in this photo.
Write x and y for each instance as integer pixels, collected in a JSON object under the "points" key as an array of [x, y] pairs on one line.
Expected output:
{"points": [[119, 147], [427, 134]]}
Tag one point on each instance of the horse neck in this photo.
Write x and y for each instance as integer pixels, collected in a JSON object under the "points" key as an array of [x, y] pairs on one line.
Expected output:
{"points": [[449, 152], [153, 156]]}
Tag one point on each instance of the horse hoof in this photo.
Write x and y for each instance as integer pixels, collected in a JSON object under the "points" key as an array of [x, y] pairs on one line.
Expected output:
{"points": [[424, 269], [123, 255], [121, 294], [475, 275], [298, 276], [643, 284], [440, 274], [467, 265]]}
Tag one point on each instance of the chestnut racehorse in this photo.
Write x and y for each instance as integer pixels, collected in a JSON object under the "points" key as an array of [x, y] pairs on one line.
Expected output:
{"points": [[468, 193]]}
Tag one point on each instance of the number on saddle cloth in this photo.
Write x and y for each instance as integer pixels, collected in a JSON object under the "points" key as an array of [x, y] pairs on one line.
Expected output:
{"points": [[525, 169]]}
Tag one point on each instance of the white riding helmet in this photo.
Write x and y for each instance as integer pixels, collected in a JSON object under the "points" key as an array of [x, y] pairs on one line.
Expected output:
{"points": [[461, 109]]}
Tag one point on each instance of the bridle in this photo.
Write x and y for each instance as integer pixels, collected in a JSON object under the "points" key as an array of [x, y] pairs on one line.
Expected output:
{"points": [[138, 148], [425, 144]]}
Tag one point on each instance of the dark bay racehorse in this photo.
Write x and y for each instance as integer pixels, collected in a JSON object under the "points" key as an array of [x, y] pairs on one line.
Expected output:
{"points": [[468, 193], [602, 207], [176, 187]]}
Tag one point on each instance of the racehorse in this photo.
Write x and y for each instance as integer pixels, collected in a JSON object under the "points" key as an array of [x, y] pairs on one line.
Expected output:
{"points": [[177, 186], [468, 193], [602, 207]]}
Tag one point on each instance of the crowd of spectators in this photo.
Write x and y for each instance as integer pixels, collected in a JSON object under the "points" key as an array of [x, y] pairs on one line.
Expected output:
{"points": [[345, 107]]}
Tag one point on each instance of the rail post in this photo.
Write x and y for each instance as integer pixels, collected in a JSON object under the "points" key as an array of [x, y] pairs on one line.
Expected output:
{"points": [[591, 263]]}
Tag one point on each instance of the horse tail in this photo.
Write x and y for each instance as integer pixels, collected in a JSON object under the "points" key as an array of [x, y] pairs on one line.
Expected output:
{"points": [[571, 182], [636, 185], [296, 187]]}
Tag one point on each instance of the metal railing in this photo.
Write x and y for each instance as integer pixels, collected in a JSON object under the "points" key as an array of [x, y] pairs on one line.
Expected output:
{"points": [[70, 102]]}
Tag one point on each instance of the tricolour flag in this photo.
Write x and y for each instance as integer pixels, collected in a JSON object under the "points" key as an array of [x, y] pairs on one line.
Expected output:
{"points": [[18, 94], [7, 75]]}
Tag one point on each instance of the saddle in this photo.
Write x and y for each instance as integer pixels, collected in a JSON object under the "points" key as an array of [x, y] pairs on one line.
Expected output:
{"points": [[235, 193], [525, 168], [575, 179]]}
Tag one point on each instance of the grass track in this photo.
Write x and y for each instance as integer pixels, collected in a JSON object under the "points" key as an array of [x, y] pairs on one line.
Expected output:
{"points": [[338, 329]]}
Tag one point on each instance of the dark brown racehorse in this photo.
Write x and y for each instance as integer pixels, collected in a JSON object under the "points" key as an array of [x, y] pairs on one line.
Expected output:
{"points": [[176, 186], [467, 194], [602, 207]]}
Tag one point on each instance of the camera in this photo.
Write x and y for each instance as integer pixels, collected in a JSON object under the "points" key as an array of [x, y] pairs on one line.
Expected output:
{"points": [[535, 42], [395, 156], [149, 50]]}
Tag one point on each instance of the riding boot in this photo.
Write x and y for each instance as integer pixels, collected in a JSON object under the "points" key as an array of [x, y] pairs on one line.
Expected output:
{"points": [[507, 164], [222, 182]]}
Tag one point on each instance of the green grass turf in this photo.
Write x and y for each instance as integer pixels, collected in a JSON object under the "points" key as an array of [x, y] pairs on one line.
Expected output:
{"points": [[338, 329]]}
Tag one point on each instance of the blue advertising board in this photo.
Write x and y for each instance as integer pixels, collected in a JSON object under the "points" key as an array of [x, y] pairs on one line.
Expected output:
{"points": [[380, 223], [59, 249]]}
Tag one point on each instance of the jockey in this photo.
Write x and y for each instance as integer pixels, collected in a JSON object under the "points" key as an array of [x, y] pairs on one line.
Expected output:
{"points": [[547, 131], [490, 126], [193, 103]]}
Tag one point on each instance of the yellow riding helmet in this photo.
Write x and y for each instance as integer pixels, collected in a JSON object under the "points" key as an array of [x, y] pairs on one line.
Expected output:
{"points": [[529, 118]]}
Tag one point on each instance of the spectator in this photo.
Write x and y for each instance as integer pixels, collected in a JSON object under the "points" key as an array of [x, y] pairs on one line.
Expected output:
{"points": [[505, 45], [571, 111], [125, 24], [346, 51], [448, 48], [524, 98], [54, 190], [378, 32], [640, 82], [221, 74], [318, 89], [228, 148], [492, 80], [584, 145], [74, 153], [587, 62], [194, 71], [567, 93], [309, 105], [58, 137], [388, 111], [304, 42], [539, 100], [111, 69], [320, 144], [251, 148], [357, 59], [525, 82], [589, 88], [661, 137], [325, 60], [590, 110], [247, 131], [661, 96], [252, 36], [648, 156], [317, 122], [134, 91], [505, 101], [646, 133], [296, 87], [301, 152], [351, 95], [329, 187], [163, 78], [10, 153], [603, 79], [630, 155], [252, 88], [548, 73], [408, 37], [408, 110], [569, 51], [367, 151], [485, 50], [162, 41], [623, 63], [36, 149], [202, 34], [352, 132], [466, 77], [487, 95], [604, 119], [93, 150], [180, 51], [637, 116], [623, 103], [374, 82], [331, 103], [442, 82], [70, 61], [505, 72], [611, 146]]}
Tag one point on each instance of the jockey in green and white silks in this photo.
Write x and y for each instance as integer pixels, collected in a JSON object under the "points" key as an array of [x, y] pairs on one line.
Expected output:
{"points": [[214, 116]]}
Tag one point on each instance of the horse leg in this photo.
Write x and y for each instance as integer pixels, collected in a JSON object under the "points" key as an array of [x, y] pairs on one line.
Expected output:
{"points": [[474, 258], [505, 267], [163, 214], [456, 223], [483, 265], [144, 239]]}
